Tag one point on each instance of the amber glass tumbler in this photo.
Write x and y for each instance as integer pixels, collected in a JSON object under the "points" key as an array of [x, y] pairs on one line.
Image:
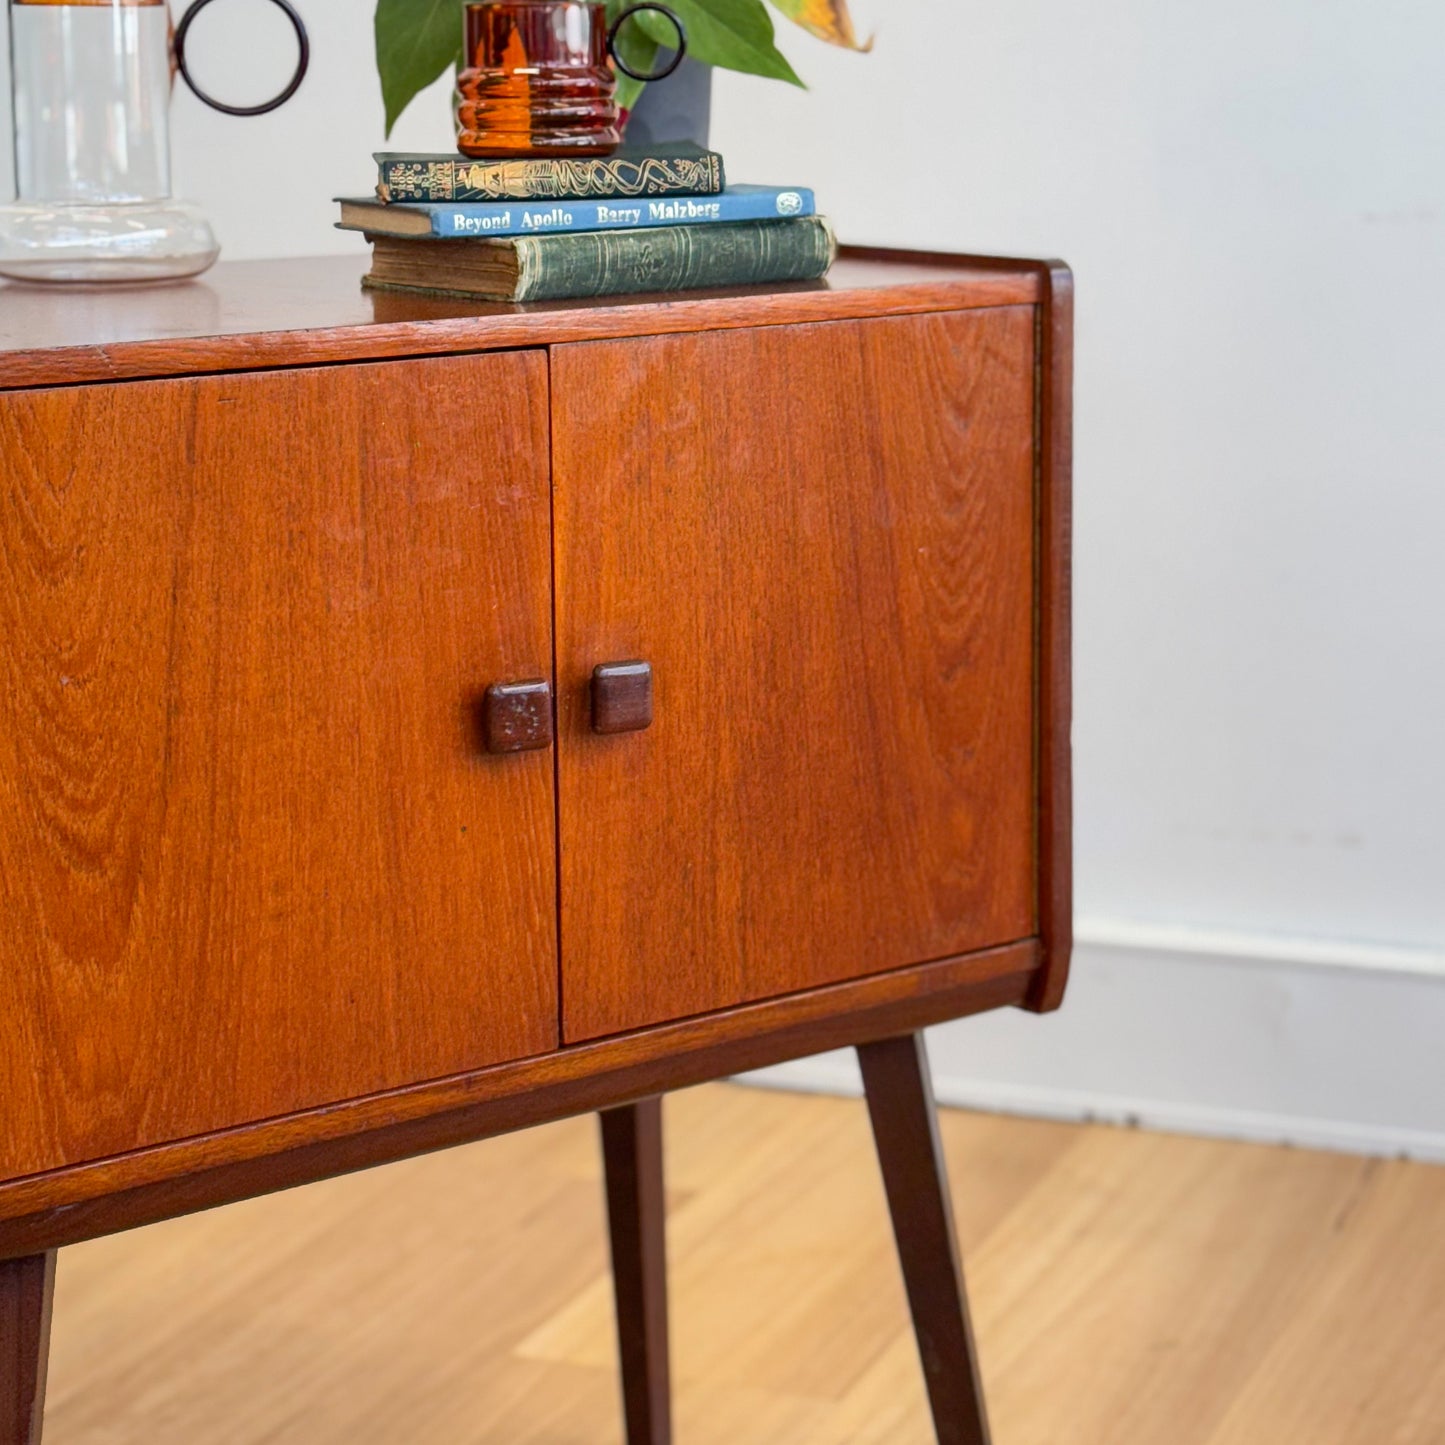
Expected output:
{"points": [[537, 80]]}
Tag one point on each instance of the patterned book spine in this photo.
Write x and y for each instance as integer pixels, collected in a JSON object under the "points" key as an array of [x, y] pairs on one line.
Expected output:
{"points": [[679, 258], [676, 258], [409, 178]]}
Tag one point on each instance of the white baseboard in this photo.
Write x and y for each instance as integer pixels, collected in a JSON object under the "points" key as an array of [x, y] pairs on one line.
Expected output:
{"points": [[1315, 1044], [837, 1074], [1119, 934]]}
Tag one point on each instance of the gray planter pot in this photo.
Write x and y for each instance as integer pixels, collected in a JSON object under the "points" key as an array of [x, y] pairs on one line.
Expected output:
{"points": [[678, 108]]}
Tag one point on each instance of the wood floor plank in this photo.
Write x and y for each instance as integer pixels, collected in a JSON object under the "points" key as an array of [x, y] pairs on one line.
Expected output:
{"points": [[1363, 1358], [1128, 1289], [747, 1276], [1130, 1300]]}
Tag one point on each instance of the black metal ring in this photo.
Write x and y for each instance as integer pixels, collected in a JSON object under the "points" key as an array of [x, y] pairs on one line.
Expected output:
{"points": [[617, 25], [303, 61]]}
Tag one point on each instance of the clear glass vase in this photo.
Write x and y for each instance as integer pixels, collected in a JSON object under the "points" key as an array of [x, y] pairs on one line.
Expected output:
{"points": [[91, 87]]}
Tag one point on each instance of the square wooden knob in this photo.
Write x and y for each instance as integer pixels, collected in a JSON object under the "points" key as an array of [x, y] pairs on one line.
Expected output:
{"points": [[517, 716], [622, 697]]}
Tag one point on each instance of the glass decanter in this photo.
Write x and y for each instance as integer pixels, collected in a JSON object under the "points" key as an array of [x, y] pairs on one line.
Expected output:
{"points": [[90, 88]]}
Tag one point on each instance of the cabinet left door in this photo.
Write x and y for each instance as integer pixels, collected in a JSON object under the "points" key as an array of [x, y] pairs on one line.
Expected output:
{"points": [[253, 855]]}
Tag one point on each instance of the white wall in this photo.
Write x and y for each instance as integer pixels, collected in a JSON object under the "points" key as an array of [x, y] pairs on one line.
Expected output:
{"points": [[1280, 1040], [1253, 198]]}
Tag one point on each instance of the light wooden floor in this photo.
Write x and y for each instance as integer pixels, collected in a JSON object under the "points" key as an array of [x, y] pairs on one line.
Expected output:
{"points": [[1129, 1289]]}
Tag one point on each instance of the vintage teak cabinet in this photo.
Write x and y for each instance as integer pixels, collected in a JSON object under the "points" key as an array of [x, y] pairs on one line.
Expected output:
{"points": [[420, 720]]}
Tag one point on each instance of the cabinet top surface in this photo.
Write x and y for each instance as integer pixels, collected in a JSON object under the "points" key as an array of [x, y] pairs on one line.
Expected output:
{"points": [[252, 314]]}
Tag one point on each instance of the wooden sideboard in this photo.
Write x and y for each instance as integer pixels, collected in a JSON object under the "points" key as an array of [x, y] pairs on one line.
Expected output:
{"points": [[421, 720]]}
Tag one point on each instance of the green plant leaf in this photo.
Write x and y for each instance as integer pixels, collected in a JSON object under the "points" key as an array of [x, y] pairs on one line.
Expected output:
{"points": [[827, 19], [637, 48], [416, 40], [733, 34]]}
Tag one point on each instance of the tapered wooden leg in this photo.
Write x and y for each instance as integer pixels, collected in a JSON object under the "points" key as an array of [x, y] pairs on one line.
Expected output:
{"points": [[26, 1289], [632, 1151], [905, 1129]]}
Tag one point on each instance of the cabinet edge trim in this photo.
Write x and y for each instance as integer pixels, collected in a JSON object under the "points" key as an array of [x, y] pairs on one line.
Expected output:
{"points": [[1013, 283], [85, 1201]]}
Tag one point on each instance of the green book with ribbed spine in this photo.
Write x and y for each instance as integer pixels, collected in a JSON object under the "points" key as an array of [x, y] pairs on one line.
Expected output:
{"points": [[563, 265]]}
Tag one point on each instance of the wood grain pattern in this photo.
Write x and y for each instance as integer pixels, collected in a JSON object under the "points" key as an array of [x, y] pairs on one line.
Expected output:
{"points": [[1055, 437], [1128, 1288], [899, 1091], [69, 1205], [637, 1227], [27, 1289], [1055, 434], [253, 314], [252, 592], [251, 858], [822, 538]]}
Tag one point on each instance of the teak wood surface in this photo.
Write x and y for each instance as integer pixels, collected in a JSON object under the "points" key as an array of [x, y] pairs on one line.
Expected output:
{"points": [[69, 1205], [822, 540], [899, 1090], [251, 612], [253, 858], [27, 1292], [632, 1149], [255, 314]]}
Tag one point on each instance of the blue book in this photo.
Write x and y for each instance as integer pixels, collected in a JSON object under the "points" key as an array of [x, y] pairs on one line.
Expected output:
{"points": [[448, 220]]}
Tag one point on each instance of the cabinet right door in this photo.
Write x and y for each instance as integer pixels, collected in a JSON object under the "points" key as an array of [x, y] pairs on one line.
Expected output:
{"points": [[821, 538]]}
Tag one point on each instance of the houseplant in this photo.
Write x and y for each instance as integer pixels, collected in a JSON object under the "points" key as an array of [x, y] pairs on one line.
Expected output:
{"points": [[416, 40]]}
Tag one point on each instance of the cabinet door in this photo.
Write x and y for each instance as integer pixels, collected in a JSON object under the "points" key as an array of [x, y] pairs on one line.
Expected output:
{"points": [[252, 856], [821, 538]]}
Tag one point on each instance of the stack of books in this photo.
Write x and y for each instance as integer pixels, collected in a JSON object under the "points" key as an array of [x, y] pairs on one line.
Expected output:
{"points": [[530, 229]]}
